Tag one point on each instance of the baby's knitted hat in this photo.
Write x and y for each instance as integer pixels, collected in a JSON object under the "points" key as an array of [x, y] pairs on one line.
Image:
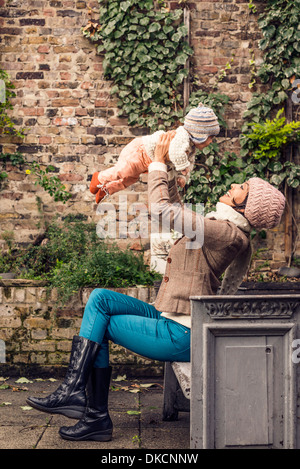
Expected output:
{"points": [[200, 123], [265, 204]]}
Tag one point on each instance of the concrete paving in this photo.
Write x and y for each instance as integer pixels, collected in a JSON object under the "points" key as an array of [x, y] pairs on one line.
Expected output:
{"points": [[135, 408]]}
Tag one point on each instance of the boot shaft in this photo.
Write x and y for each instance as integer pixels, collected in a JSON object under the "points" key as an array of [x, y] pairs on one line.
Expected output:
{"points": [[98, 388], [83, 355]]}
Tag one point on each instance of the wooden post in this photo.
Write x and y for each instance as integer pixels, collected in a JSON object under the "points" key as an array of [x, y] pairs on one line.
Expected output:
{"points": [[186, 84], [288, 229]]}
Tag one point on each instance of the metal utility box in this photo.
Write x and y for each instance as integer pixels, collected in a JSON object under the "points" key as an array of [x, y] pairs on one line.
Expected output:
{"points": [[245, 351]]}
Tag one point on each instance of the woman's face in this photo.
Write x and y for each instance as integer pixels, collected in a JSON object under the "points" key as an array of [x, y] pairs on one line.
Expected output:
{"points": [[236, 195]]}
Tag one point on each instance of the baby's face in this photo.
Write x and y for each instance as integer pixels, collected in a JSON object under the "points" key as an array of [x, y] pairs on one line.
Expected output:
{"points": [[185, 171]]}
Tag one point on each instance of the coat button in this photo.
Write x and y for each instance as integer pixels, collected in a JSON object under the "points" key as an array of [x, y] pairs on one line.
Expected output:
{"points": [[169, 260], [166, 279]]}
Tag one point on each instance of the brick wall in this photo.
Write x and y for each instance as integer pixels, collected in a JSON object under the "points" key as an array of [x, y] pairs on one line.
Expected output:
{"points": [[38, 334], [72, 121]]}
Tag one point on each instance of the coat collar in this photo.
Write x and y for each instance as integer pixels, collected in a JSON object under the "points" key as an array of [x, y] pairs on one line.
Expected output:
{"points": [[225, 212]]}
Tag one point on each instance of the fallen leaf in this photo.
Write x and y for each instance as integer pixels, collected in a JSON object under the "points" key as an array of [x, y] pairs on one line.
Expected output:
{"points": [[4, 386], [133, 412], [120, 378], [124, 388], [5, 403], [114, 388], [17, 389], [26, 407], [23, 380]]}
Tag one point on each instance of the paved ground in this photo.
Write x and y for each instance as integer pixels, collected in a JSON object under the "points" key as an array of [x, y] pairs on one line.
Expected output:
{"points": [[135, 408]]}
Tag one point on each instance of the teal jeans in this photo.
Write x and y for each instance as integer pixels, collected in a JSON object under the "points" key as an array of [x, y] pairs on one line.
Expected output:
{"points": [[133, 324]]}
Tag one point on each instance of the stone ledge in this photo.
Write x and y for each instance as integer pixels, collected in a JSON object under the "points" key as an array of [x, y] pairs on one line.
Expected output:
{"points": [[22, 282]]}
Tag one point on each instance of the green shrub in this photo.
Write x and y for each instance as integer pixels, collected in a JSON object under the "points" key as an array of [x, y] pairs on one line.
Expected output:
{"points": [[72, 256]]}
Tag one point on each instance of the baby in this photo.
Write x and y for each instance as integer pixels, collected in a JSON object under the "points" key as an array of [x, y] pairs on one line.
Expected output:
{"points": [[199, 124]]}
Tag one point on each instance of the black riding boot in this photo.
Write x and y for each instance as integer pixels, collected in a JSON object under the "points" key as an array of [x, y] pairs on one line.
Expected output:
{"points": [[70, 397], [96, 423]]}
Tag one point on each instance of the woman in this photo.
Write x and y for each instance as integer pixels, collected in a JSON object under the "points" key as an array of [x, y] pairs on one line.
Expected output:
{"points": [[160, 331]]}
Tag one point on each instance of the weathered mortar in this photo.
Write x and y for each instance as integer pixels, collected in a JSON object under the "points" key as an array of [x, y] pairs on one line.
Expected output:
{"points": [[64, 101]]}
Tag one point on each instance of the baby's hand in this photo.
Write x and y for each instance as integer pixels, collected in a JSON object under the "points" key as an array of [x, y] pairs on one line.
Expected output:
{"points": [[181, 181], [161, 153]]}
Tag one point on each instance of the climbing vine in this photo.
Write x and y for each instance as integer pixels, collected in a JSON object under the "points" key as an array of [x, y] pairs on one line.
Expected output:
{"points": [[280, 44], [264, 140], [145, 53], [266, 132]]}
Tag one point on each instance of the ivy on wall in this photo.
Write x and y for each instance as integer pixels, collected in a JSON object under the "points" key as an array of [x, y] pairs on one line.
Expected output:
{"points": [[145, 53], [266, 132], [280, 44], [263, 139]]}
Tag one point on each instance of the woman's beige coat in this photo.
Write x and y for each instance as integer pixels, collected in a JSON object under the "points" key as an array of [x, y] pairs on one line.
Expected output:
{"points": [[193, 271]]}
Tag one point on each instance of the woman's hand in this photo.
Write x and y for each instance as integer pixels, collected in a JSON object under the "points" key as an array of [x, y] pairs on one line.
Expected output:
{"points": [[161, 153]]}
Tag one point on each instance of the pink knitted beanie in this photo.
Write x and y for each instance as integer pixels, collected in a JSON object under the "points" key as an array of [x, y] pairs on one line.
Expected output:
{"points": [[265, 204]]}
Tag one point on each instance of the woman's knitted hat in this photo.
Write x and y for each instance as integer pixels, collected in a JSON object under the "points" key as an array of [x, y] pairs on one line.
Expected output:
{"points": [[200, 123], [265, 204]]}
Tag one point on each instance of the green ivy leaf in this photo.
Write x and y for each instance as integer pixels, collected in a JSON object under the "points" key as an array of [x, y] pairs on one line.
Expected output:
{"points": [[154, 27], [181, 59], [125, 5]]}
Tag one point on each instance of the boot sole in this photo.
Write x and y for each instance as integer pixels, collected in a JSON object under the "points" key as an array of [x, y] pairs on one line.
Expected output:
{"points": [[94, 436], [71, 412]]}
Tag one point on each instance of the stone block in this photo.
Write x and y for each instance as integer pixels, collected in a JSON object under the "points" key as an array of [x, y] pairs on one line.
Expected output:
{"points": [[62, 358], [143, 294], [19, 295], [38, 358], [30, 295], [20, 358], [10, 322], [36, 323]]}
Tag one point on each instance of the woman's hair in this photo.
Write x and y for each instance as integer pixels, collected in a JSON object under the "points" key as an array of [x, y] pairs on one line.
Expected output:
{"points": [[242, 205]]}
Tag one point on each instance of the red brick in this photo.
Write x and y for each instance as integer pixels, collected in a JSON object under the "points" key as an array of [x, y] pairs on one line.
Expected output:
{"points": [[48, 12], [43, 49], [65, 75], [65, 102], [45, 140], [87, 85], [101, 103], [33, 111], [209, 69], [80, 111], [221, 60]]}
